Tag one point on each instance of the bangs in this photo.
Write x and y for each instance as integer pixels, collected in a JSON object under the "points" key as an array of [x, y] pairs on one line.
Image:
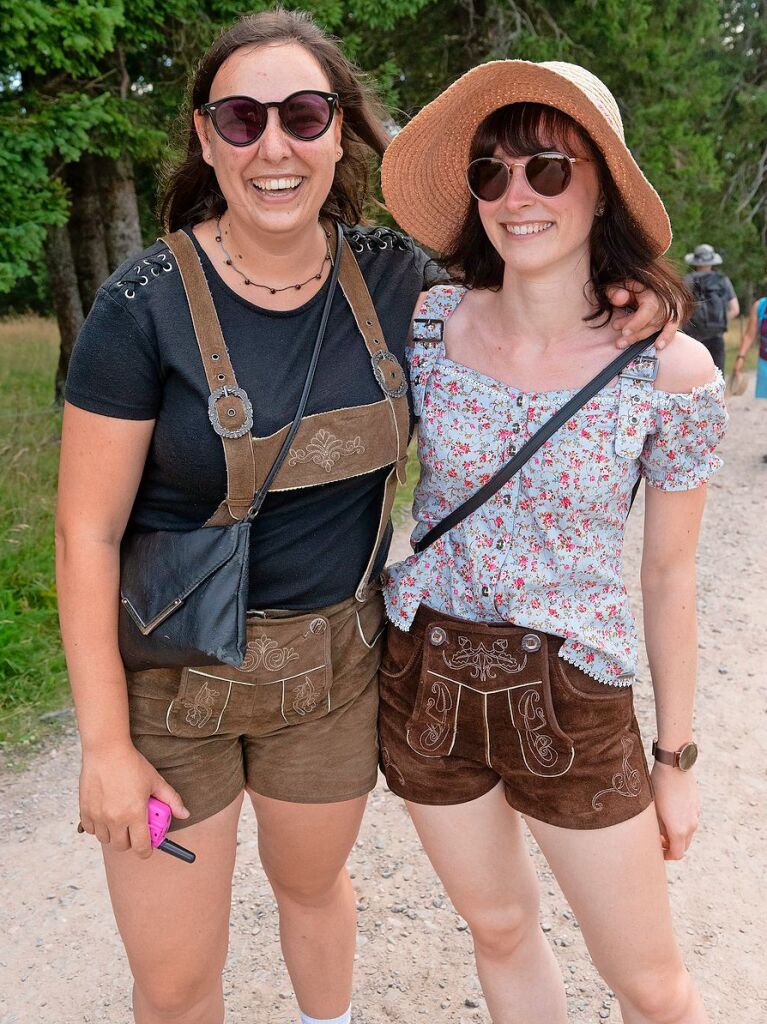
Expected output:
{"points": [[524, 129]]}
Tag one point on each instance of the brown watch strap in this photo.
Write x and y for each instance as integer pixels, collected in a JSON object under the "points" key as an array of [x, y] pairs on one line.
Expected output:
{"points": [[669, 757]]}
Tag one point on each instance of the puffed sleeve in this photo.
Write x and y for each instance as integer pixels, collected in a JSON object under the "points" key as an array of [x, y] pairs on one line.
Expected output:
{"points": [[680, 451], [115, 368]]}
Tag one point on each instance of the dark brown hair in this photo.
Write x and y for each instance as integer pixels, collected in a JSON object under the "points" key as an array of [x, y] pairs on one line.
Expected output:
{"points": [[191, 193], [620, 249]]}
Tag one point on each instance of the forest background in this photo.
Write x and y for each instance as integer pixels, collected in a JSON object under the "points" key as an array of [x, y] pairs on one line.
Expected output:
{"points": [[92, 96]]}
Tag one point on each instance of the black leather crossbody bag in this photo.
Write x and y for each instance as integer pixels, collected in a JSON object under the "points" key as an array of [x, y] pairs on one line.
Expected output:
{"points": [[540, 437], [184, 594]]}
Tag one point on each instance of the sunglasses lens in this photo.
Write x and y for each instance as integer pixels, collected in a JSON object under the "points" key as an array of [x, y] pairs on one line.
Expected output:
{"points": [[240, 120], [487, 178], [306, 115], [548, 175]]}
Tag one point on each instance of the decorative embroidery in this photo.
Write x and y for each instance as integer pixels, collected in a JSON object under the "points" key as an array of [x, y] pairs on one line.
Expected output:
{"points": [[627, 782], [200, 707], [325, 449], [266, 652], [533, 715], [482, 660], [389, 765], [436, 709], [305, 697]]}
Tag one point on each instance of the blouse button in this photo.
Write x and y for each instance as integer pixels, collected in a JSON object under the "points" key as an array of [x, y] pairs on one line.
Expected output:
{"points": [[507, 499], [516, 428], [499, 545], [635, 399], [520, 400], [486, 591], [634, 419]]}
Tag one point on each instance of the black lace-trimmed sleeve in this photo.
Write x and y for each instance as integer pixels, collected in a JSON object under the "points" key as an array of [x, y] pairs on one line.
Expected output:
{"points": [[115, 367]]}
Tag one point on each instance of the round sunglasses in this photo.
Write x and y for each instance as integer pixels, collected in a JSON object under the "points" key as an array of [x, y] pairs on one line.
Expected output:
{"points": [[548, 174], [241, 120]]}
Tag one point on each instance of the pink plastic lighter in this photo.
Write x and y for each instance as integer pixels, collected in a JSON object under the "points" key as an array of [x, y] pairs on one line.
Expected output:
{"points": [[159, 817]]}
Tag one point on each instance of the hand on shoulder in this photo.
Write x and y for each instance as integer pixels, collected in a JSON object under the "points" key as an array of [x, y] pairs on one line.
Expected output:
{"points": [[685, 365]]}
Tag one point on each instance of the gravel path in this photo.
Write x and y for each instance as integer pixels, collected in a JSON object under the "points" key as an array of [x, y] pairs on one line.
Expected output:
{"points": [[61, 961]]}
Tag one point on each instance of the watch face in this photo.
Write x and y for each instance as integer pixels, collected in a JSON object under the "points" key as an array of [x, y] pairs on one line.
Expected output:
{"points": [[688, 755]]}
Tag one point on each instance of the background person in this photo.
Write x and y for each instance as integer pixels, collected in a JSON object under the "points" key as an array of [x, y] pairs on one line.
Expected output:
{"points": [[756, 327], [506, 676], [716, 303]]}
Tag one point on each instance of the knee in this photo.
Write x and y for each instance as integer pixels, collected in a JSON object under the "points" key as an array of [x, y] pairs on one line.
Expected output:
{"points": [[662, 996], [312, 891], [498, 931], [178, 1000]]}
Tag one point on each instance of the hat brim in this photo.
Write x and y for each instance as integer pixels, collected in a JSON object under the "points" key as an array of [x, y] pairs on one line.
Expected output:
{"points": [[423, 171], [694, 261]]}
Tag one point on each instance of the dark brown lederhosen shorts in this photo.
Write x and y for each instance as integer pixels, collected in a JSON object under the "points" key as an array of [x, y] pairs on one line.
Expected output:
{"points": [[464, 705], [297, 722]]}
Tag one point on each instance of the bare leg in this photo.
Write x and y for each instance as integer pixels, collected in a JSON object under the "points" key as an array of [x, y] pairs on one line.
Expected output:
{"points": [[477, 849], [304, 848], [174, 921], [614, 878]]}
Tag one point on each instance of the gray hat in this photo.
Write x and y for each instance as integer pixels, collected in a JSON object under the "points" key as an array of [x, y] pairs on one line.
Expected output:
{"points": [[704, 256]]}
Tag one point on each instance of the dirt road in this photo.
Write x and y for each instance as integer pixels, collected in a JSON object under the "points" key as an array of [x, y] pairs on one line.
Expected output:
{"points": [[61, 961]]}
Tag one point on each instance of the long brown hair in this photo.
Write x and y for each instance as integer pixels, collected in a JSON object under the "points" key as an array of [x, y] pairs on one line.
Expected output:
{"points": [[190, 191], [620, 250]]}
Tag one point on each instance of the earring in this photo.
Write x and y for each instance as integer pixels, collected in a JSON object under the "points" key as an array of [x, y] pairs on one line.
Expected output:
{"points": [[600, 209], [339, 153]]}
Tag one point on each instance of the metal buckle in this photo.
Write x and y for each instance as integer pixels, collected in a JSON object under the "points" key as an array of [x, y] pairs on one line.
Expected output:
{"points": [[643, 368], [215, 419], [429, 325], [391, 378]]}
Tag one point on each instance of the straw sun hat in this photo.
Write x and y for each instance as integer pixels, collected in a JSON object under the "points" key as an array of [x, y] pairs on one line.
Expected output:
{"points": [[423, 173]]}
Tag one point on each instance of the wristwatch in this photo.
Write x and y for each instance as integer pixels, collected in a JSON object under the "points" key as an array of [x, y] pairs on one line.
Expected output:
{"points": [[684, 758]]}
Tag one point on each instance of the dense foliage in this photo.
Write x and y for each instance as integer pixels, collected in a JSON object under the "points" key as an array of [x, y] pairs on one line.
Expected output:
{"points": [[104, 77]]}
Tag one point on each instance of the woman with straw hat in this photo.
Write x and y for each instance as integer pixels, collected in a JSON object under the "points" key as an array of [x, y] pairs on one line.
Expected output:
{"points": [[506, 677]]}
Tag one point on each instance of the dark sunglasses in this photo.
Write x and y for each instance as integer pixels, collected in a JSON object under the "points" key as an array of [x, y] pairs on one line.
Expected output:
{"points": [[548, 174], [241, 120]]}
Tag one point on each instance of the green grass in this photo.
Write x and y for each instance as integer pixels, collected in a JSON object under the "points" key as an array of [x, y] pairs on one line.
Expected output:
{"points": [[32, 672]]}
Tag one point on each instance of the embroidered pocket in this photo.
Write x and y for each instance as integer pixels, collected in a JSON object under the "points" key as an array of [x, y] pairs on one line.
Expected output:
{"points": [[286, 678], [199, 707]]}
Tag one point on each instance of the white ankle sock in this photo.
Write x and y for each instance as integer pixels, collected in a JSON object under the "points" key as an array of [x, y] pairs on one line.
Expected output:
{"points": [[345, 1018]]}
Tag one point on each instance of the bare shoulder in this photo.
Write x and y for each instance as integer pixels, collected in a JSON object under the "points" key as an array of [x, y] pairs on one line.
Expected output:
{"points": [[683, 365]]}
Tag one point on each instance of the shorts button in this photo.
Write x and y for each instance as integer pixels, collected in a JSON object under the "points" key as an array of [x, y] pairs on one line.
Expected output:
{"points": [[318, 626], [437, 636], [531, 643]]}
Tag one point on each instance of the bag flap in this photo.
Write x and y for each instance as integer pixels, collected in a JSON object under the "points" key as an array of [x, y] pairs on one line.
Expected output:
{"points": [[159, 570]]}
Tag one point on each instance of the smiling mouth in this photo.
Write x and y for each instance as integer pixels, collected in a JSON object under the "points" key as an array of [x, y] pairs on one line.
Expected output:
{"points": [[277, 186], [529, 229]]}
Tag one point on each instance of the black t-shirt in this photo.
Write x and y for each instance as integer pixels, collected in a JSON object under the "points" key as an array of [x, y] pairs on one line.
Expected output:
{"points": [[137, 358]]}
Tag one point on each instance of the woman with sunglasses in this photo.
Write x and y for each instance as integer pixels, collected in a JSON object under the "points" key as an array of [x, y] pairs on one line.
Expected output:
{"points": [[506, 675], [278, 151]]}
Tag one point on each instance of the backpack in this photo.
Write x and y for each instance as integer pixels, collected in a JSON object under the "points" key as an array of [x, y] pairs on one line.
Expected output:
{"points": [[709, 317], [761, 314]]}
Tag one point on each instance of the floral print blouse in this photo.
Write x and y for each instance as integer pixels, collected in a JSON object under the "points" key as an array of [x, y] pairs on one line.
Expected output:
{"points": [[545, 552]]}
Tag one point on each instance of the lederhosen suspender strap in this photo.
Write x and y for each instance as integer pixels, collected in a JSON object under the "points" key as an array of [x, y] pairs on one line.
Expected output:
{"points": [[230, 410], [237, 419]]}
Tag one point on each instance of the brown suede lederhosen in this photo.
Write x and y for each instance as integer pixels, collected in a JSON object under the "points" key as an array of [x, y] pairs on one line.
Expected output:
{"points": [[466, 705], [297, 720]]}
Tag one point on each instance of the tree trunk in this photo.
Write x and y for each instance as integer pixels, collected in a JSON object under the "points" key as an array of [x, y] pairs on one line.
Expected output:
{"points": [[119, 208], [86, 230], [66, 298]]}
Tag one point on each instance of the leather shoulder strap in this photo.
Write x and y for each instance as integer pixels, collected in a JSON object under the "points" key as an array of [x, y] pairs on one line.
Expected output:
{"points": [[229, 408]]}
